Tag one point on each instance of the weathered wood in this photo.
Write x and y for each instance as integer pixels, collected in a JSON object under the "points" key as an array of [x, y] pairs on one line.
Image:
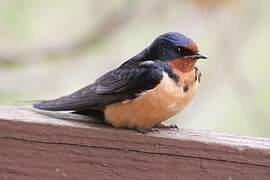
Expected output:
{"points": [[35, 146]]}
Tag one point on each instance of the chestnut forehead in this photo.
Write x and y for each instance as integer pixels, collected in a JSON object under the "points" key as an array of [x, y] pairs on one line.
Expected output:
{"points": [[192, 46], [186, 42], [183, 41]]}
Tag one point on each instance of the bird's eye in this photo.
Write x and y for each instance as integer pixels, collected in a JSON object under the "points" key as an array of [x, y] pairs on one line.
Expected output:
{"points": [[178, 49], [183, 51]]}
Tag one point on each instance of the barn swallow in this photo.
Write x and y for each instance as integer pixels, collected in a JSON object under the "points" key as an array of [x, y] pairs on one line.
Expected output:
{"points": [[144, 91]]}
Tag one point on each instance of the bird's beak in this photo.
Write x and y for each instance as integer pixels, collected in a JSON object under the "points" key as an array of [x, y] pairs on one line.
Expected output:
{"points": [[197, 56]]}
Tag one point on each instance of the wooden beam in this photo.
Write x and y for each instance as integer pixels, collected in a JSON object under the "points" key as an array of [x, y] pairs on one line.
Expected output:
{"points": [[36, 145]]}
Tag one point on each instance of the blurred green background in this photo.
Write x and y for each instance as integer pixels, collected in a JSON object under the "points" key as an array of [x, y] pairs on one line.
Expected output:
{"points": [[54, 47]]}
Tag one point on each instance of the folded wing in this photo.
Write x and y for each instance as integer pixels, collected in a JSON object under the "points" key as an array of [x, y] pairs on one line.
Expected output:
{"points": [[115, 86]]}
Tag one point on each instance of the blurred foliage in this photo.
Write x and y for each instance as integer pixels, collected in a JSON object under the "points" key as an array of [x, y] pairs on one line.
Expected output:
{"points": [[51, 48]]}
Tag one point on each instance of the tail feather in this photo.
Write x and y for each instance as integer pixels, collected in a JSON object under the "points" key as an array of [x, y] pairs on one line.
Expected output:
{"points": [[26, 102], [47, 105]]}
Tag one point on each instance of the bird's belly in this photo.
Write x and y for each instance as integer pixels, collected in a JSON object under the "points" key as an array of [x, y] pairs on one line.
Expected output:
{"points": [[151, 108]]}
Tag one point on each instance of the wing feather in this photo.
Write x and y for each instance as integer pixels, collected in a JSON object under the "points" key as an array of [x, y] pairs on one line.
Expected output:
{"points": [[116, 85]]}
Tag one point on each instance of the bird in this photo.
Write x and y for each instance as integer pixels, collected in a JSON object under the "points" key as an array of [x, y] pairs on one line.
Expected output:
{"points": [[143, 91]]}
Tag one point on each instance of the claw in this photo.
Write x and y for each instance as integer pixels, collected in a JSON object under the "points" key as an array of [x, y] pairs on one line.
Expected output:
{"points": [[144, 131], [162, 126]]}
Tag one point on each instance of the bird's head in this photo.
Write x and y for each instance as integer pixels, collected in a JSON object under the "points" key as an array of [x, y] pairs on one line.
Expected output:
{"points": [[176, 49]]}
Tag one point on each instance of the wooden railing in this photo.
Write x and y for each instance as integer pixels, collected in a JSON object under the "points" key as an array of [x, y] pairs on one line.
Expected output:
{"points": [[42, 146]]}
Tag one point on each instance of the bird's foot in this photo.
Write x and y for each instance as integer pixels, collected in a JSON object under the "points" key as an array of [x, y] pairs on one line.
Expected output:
{"points": [[144, 131], [162, 126]]}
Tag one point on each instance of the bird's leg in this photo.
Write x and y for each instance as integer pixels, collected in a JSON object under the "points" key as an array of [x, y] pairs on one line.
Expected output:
{"points": [[162, 126], [144, 131]]}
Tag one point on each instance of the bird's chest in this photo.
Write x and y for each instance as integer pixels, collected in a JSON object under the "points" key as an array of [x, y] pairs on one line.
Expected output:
{"points": [[175, 96], [153, 106]]}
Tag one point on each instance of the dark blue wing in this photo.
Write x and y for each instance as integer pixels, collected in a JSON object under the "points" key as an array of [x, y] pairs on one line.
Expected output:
{"points": [[115, 86]]}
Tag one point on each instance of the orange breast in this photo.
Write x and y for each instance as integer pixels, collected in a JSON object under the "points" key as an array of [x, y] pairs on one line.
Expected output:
{"points": [[153, 106]]}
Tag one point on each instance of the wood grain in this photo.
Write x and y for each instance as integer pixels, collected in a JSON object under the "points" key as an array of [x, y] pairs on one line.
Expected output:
{"points": [[38, 145]]}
